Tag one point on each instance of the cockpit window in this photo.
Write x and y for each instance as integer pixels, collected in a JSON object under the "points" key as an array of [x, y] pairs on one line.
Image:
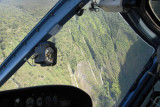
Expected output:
{"points": [[97, 52], [17, 18], [155, 5]]}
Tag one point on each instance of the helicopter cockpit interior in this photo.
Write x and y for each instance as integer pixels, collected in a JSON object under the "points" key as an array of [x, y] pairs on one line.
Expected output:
{"points": [[93, 46]]}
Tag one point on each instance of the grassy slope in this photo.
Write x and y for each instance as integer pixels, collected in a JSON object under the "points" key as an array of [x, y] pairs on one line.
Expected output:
{"points": [[95, 51]]}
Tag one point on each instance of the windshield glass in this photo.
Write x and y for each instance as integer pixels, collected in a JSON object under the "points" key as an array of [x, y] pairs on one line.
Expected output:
{"points": [[97, 52]]}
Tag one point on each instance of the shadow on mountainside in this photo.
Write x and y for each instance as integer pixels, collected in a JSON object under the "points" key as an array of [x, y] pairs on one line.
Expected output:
{"points": [[137, 56]]}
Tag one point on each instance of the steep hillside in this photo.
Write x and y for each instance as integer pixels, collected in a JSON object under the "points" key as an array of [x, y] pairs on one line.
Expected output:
{"points": [[97, 52]]}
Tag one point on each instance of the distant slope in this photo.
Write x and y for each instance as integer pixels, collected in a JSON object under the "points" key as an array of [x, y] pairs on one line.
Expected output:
{"points": [[97, 52]]}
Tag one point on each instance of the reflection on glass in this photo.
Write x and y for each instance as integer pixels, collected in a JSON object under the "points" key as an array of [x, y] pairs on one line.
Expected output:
{"points": [[155, 4]]}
